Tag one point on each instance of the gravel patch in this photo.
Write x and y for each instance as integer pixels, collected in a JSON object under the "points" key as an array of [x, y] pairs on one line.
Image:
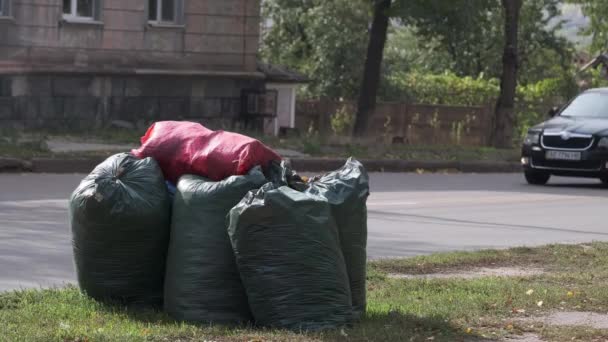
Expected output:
{"points": [[523, 338], [475, 273], [574, 318]]}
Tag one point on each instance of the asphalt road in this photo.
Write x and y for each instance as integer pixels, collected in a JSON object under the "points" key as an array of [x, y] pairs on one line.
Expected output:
{"points": [[409, 215]]}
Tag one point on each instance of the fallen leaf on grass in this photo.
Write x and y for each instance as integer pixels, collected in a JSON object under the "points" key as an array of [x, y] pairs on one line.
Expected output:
{"points": [[540, 303], [529, 292]]}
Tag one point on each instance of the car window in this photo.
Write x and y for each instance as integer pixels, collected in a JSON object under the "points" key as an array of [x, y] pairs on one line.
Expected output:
{"points": [[588, 104]]}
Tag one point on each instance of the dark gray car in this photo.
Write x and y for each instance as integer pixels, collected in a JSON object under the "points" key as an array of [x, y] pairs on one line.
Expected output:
{"points": [[574, 143]]}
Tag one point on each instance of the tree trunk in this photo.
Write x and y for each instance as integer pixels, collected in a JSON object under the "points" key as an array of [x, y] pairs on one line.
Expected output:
{"points": [[504, 116], [373, 64]]}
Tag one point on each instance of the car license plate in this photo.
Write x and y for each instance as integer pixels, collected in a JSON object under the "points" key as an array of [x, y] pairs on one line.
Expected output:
{"points": [[563, 155]]}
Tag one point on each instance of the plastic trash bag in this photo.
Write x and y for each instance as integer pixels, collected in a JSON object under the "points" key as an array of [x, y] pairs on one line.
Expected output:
{"points": [[189, 148], [202, 283], [171, 189], [288, 254], [281, 174], [347, 190], [120, 218]]}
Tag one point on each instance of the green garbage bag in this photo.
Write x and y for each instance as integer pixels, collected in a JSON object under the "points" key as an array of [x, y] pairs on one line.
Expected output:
{"points": [[281, 174], [120, 217], [347, 190], [202, 283], [288, 254]]}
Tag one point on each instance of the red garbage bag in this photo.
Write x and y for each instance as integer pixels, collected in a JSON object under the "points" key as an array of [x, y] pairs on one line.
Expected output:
{"points": [[189, 148]]}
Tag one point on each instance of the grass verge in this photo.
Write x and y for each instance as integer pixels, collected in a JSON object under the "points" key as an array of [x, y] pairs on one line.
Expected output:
{"points": [[486, 308], [310, 146]]}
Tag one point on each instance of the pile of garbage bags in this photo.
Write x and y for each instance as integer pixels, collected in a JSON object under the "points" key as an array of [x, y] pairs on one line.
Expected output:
{"points": [[215, 228]]}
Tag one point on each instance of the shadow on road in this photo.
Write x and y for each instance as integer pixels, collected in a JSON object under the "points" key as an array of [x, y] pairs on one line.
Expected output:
{"points": [[598, 186]]}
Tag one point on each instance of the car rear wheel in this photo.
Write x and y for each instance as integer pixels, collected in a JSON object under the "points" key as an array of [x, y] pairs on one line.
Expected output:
{"points": [[537, 178], [604, 180]]}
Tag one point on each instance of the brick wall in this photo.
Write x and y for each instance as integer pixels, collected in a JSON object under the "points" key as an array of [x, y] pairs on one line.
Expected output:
{"points": [[217, 35]]}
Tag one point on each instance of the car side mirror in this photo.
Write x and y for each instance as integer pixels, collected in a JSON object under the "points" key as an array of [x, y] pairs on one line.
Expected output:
{"points": [[553, 112]]}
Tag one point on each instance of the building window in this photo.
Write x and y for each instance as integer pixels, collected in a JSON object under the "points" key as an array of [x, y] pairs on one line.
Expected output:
{"points": [[5, 8], [80, 10], [165, 12]]}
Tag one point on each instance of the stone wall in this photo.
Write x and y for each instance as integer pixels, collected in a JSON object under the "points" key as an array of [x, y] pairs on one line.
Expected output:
{"points": [[412, 123], [216, 35], [56, 102]]}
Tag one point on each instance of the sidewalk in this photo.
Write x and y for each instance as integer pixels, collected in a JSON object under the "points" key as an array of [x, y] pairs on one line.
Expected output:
{"points": [[72, 157]]}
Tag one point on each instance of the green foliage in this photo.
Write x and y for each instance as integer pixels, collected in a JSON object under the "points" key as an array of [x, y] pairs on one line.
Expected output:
{"points": [[574, 279], [597, 78], [342, 121], [543, 53], [311, 147], [596, 11], [468, 31], [326, 40], [16, 143], [471, 33], [450, 89], [533, 100], [406, 52], [388, 128], [311, 143], [446, 88]]}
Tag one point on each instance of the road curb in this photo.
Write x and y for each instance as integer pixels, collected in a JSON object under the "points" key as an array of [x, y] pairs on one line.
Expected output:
{"points": [[14, 165], [51, 165], [380, 165], [86, 165]]}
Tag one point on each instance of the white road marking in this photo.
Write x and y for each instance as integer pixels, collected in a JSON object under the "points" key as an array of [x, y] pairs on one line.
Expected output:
{"points": [[35, 203], [391, 203]]}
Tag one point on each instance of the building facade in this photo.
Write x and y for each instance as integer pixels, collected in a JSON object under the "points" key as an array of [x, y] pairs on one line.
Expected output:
{"points": [[77, 64]]}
